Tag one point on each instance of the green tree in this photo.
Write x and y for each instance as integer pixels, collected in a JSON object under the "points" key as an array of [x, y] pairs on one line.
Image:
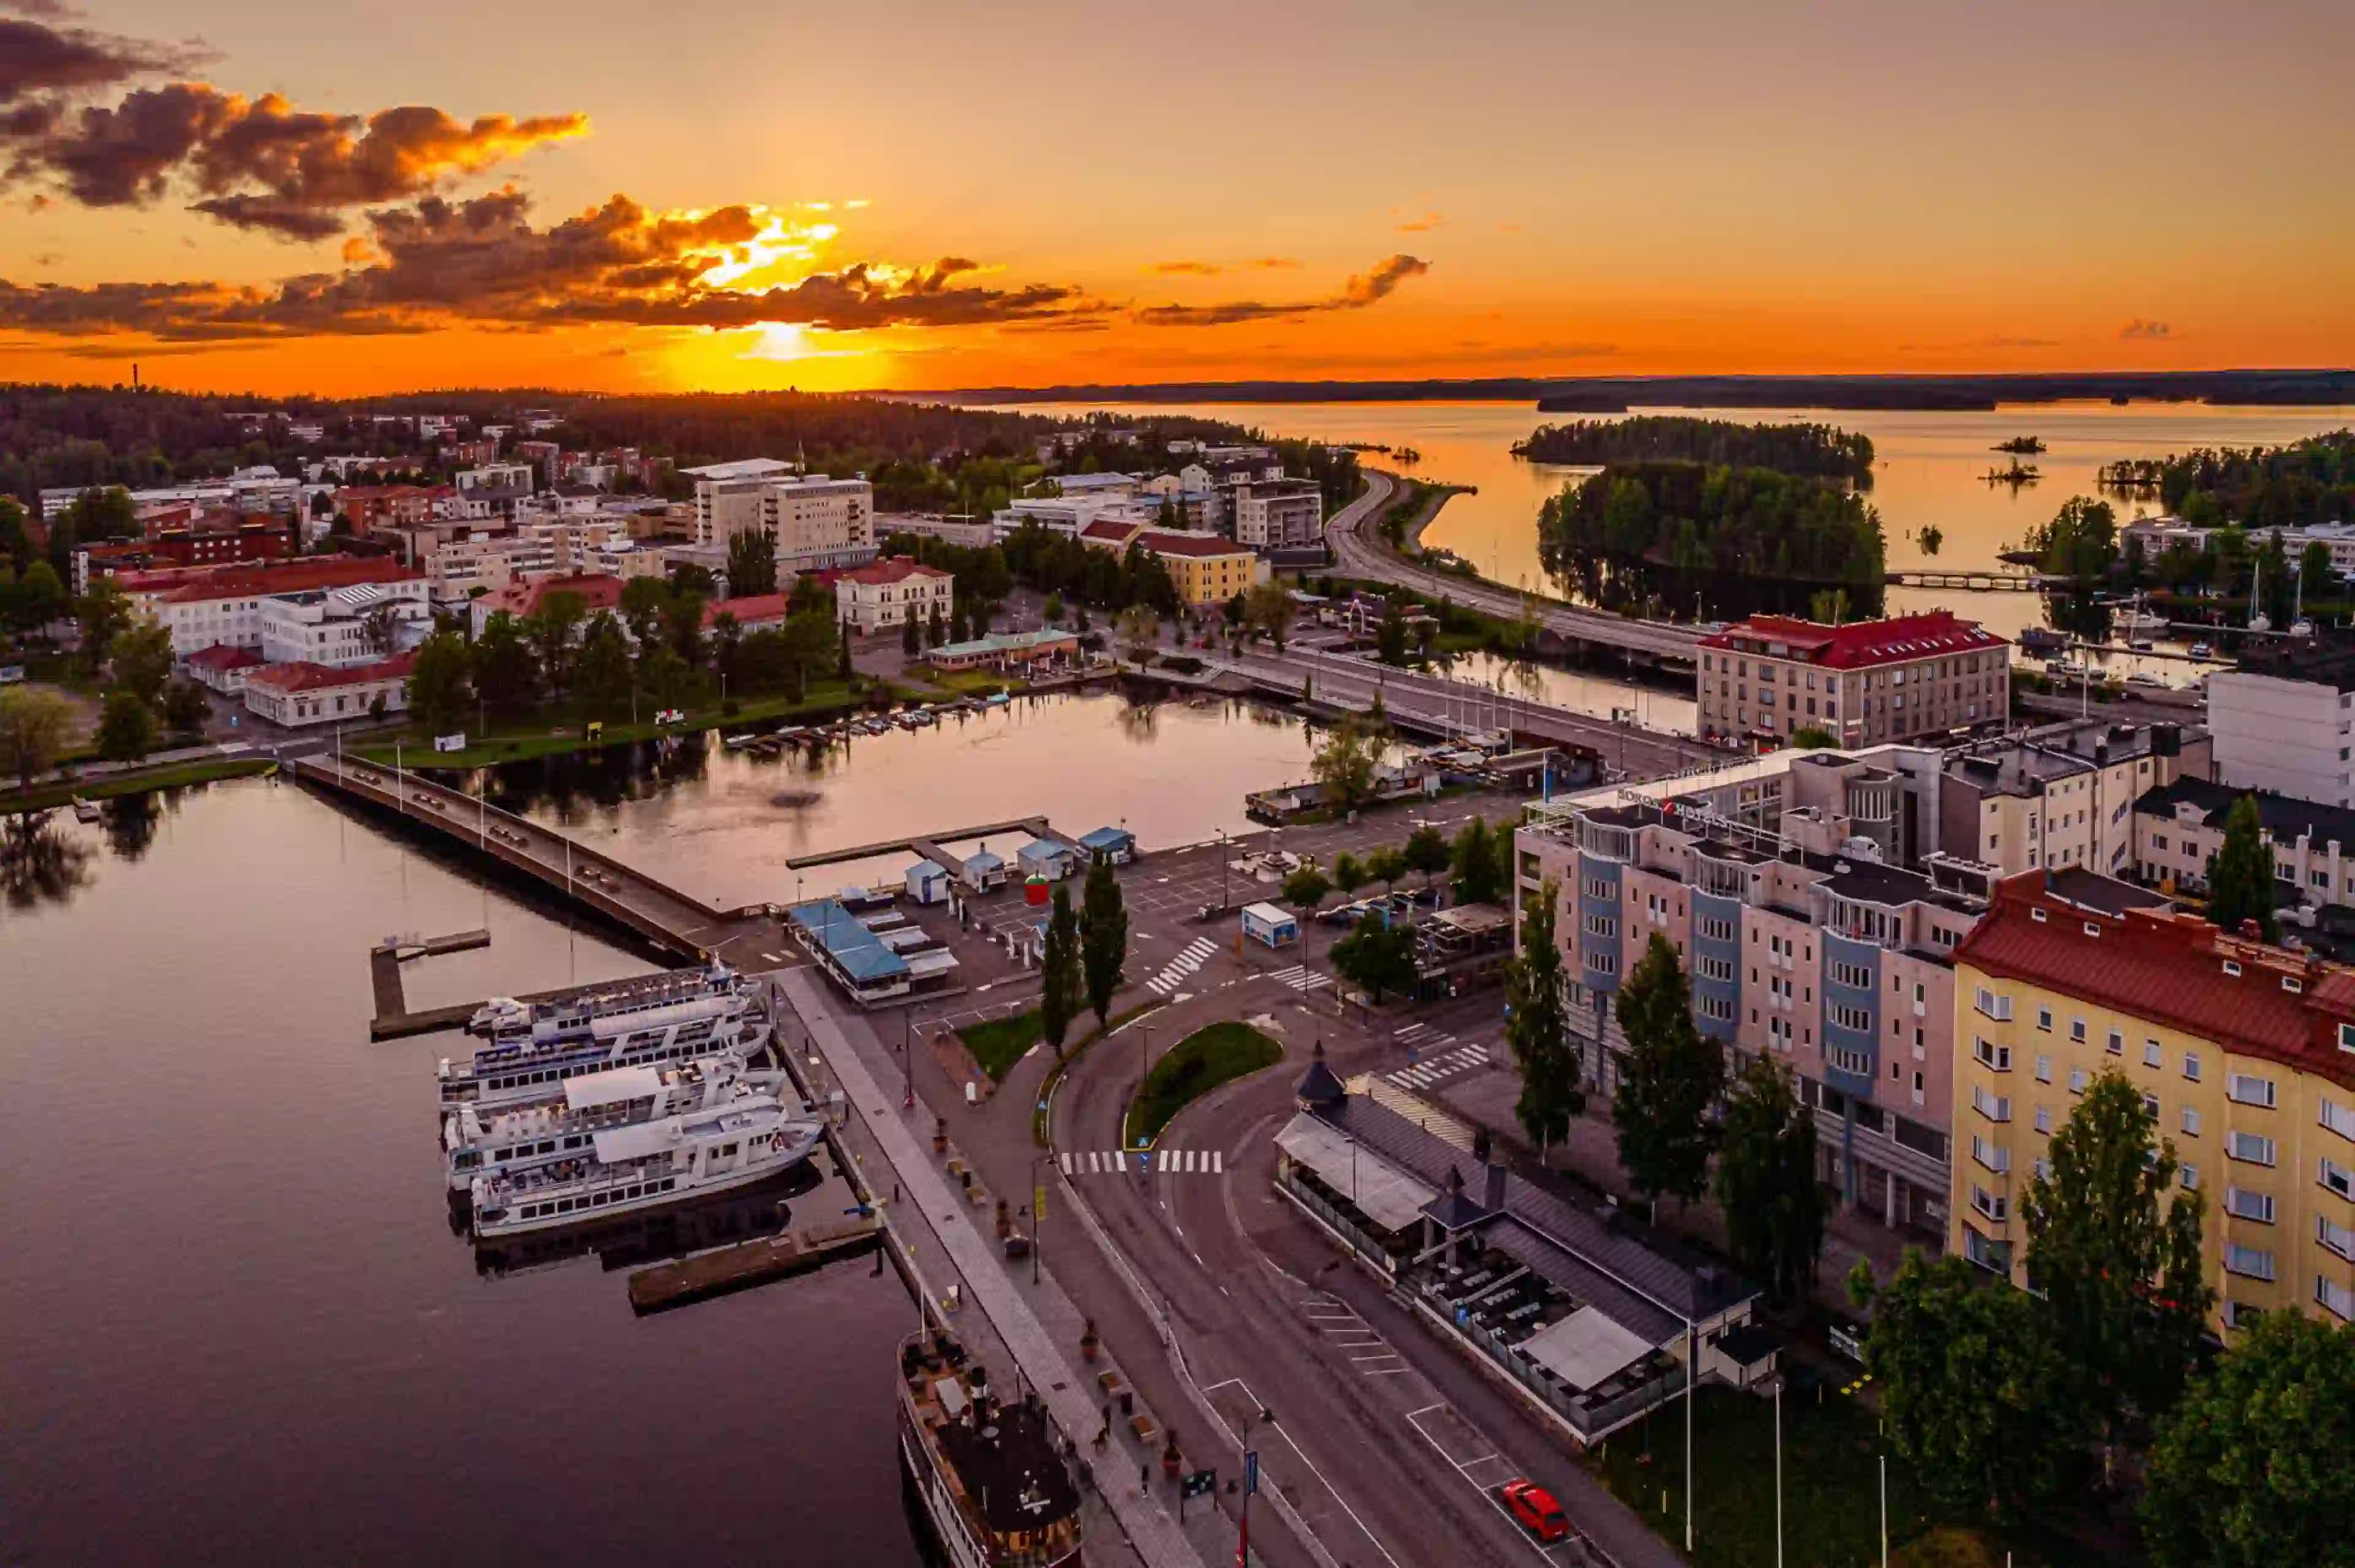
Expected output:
{"points": [[1386, 866], [1344, 765], [1051, 612], [1348, 873], [2251, 1470], [1306, 887], [2241, 873], [1103, 936], [728, 651], [843, 669], [441, 684], [1378, 956], [1058, 972], [682, 627], [1766, 1183], [644, 600], [1268, 610], [911, 636], [506, 674], [2314, 573], [34, 725], [104, 614], [1427, 852], [1813, 736], [143, 661], [185, 708], [751, 564], [1670, 1080], [936, 630], [1138, 629], [1389, 636], [1974, 1388], [1479, 866], [811, 645], [41, 598], [2117, 1259], [2081, 541], [602, 673], [1537, 1026], [15, 539], [127, 727], [553, 628]]}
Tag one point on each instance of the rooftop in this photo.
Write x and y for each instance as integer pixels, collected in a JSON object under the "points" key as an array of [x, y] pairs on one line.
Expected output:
{"points": [[222, 656], [1858, 645], [2284, 817], [188, 585], [301, 675], [1165, 541], [892, 569]]}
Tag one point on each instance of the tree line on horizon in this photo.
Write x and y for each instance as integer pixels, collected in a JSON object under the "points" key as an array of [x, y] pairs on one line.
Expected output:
{"points": [[1815, 450]]}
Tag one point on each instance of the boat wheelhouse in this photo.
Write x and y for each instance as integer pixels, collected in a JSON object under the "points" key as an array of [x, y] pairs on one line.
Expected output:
{"points": [[559, 1124], [990, 1473], [644, 1165], [521, 1069]]}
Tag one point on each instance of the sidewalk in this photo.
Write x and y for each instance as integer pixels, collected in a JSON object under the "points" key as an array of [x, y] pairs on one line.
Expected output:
{"points": [[1033, 1322]]}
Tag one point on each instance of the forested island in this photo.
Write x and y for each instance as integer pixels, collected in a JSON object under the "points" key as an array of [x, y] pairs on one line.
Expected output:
{"points": [[1819, 451], [2021, 445], [1738, 540], [2309, 480]]}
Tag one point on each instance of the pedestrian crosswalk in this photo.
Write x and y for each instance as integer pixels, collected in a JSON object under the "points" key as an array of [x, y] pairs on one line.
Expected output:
{"points": [[1145, 1162], [1176, 973], [1433, 1057], [1301, 977]]}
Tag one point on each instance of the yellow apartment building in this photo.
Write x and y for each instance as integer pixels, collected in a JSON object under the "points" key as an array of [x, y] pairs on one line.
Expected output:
{"points": [[2245, 1052]]}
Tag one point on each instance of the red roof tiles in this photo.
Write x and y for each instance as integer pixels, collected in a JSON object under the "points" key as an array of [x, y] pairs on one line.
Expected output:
{"points": [[894, 569], [222, 656], [302, 677], [1861, 644], [2170, 967], [1161, 542], [188, 585]]}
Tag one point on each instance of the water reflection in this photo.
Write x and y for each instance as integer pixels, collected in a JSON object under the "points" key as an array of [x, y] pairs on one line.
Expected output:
{"points": [[131, 820], [41, 862], [633, 1241]]}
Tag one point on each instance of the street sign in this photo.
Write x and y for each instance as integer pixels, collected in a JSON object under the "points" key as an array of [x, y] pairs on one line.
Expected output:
{"points": [[1143, 1164], [1039, 1202], [1251, 1472], [1197, 1483]]}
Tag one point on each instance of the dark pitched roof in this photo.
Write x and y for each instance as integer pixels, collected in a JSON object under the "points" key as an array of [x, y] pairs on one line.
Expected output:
{"points": [[1318, 1087], [2284, 817], [1451, 1210]]}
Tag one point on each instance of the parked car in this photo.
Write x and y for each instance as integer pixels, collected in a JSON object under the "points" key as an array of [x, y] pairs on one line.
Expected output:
{"points": [[1534, 1509]]}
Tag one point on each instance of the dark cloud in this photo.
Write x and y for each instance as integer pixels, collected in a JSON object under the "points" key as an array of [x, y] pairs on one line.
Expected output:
{"points": [[1273, 263], [38, 58], [1356, 294], [261, 163], [2137, 330], [1187, 268], [481, 262]]}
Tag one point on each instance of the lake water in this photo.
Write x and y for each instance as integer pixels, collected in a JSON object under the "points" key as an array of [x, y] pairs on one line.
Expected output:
{"points": [[239, 1324], [1929, 469]]}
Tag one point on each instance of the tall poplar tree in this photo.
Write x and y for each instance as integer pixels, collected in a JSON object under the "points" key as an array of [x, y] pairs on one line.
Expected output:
{"points": [[1766, 1183], [1671, 1078], [1058, 972], [1103, 937], [1538, 1028], [2241, 873]]}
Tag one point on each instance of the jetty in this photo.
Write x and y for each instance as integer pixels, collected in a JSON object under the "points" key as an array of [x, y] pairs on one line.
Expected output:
{"points": [[748, 1263], [928, 845], [1969, 581]]}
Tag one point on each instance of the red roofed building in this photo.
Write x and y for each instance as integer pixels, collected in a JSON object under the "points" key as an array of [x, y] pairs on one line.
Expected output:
{"points": [[1864, 683], [367, 509], [295, 694], [205, 605], [753, 611], [522, 600], [884, 594], [222, 668], [2244, 1053]]}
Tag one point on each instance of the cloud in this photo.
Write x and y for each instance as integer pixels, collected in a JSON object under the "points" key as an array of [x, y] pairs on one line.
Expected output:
{"points": [[1356, 294], [1273, 263], [262, 164], [2137, 330], [1416, 223], [38, 58], [1187, 268], [481, 262]]}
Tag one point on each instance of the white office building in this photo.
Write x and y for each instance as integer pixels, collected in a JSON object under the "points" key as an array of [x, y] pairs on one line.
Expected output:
{"points": [[339, 628], [2288, 737]]}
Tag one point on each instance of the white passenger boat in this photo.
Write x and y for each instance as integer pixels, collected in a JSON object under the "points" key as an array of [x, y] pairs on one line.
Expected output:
{"points": [[991, 1472], [559, 1124], [645, 1165], [520, 1068], [504, 1017]]}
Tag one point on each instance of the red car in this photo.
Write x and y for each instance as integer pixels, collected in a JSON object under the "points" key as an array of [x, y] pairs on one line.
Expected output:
{"points": [[1533, 1507]]}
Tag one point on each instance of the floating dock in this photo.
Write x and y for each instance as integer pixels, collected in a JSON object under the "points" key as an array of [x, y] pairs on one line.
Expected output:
{"points": [[748, 1263]]}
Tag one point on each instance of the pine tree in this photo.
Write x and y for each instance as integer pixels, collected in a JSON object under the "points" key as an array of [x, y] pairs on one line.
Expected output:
{"points": [[1058, 972], [1671, 1078], [1537, 1026], [2241, 873], [1766, 1183], [1479, 875], [1103, 937]]}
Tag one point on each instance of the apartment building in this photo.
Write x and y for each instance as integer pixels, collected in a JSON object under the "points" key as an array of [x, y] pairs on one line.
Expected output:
{"points": [[1906, 677], [2291, 733], [2062, 794], [261, 488], [522, 599], [886, 594], [208, 607], [817, 522], [1206, 569], [379, 508], [1276, 513], [2178, 826], [343, 627], [2245, 1053], [1836, 965], [220, 540]]}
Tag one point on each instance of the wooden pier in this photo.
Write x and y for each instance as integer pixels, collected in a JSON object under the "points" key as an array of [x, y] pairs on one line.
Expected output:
{"points": [[749, 1264], [1970, 582], [928, 845]]}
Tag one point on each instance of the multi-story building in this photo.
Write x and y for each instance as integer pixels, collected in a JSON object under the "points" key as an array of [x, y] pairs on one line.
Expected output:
{"points": [[817, 522], [1906, 677], [886, 594], [342, 627], [522, 599], [541, 456], [295, 694], [248, 490], [2062, 794], [2292, 733], [2178, 827], [208, 606], [221, 540], [2245, 1054], [1206, 569], [384, 508], [963, 529], [1277, 513]]}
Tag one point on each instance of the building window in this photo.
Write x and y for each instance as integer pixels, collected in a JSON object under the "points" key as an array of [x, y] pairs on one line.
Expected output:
{"points": [[2188, 1174], [2044, 1014], [1993, 1106], [2249, 1262], [2076, 1080], [2251, 1148], [2045, 1070], [2246, 1089], [1990, 1054], [1993, 1205], [2077, 1030], [2191, 1065], [1855, 1019], [1996, 1006], [2152, 1056], [2117, 1043], [2336, 1299], [2338, 1118], [1993, 1156], [1850, 1062], [2243, 1204], [2190, 1122], [2336, 1177]]}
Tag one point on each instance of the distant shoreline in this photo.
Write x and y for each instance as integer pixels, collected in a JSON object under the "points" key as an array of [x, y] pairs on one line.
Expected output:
{"points": [[2230, 389]]}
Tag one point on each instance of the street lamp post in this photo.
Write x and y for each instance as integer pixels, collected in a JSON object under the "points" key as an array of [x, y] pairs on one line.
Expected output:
{"points": [[1143, 1059], [1250, 1485], [1037, 1216]]}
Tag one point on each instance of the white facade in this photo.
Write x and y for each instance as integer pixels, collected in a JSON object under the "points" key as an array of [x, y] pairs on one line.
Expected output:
{"points": [[331, 626], [1273, 516], [248, 490], [886, 595], [817, 521], [305, 699], [2290, 737]]}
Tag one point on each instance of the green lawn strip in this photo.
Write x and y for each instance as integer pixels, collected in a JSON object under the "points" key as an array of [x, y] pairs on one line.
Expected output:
{"points": [[1112, 1026], [1192, 1068], [965, 682], [999, 1043], [550, 736], [1831, 1479], [106, 786]]}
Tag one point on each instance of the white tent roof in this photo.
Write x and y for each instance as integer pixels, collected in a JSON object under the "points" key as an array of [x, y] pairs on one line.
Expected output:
{"points": [[1585, 1349], [1382, 1193], [1273, 914], [612, 1087]]}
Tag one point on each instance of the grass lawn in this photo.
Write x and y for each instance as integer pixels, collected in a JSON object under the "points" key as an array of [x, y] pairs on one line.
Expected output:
{"points": [[1831, 1483], [999, 1043], [173, 777], [1192, 1068], [965, 682], [551, 735]]}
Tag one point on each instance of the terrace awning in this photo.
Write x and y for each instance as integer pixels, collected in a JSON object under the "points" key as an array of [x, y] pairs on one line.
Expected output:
{"points": [[1375, 1187], [1585, 1349]]}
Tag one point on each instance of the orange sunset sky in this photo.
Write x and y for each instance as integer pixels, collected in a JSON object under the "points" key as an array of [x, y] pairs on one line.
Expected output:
{"points": [[249, 195]]}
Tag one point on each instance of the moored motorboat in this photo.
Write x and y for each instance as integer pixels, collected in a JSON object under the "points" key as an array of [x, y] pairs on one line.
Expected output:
{"points": [[644, 1165]]}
